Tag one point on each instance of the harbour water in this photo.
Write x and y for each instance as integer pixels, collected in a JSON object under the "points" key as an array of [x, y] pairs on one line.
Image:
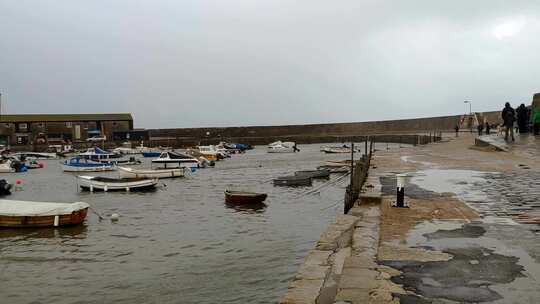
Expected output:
{"points": [[178, 244]]}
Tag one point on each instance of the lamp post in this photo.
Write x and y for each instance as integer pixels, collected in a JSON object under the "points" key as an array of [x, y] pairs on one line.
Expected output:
{"points": [[470, 114]]}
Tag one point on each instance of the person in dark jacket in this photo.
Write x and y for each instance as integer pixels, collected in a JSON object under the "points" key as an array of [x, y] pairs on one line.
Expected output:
{"points": [[480, 129], [508, 116], [523, 119], [488, 128]]}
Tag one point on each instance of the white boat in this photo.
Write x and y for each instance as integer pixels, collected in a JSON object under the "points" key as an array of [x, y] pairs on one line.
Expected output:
{"points": [[127, 149], [336, 149], [176, 160], [36, 155], [93, 183], [77, 164], [96, 153], [209, 152], [6, 166], [150, 173], [282, 147]]}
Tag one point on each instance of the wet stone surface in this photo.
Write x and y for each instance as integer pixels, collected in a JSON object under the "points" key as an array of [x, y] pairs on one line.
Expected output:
{"points": [[413, 191], [470, 231], [458, 279]]}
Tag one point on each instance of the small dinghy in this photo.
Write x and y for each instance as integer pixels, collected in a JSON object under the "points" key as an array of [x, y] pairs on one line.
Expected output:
{"points": [[24, 214], [240, 197], [293, 181], [99, 183], [321, 173], [77, 164], [150, 173], [331, 169]]}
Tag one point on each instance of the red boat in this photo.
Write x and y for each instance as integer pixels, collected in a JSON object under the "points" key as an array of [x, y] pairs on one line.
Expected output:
{"points": [[239, 197]]}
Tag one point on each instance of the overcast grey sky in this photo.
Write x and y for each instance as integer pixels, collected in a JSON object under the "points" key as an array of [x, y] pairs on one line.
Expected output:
{"points": [[190, 63]]}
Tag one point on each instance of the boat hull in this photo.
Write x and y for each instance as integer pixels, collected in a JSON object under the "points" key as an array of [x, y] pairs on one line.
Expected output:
{"points": [[322, 173], [293, 181], [158, 173], [91, 184], [75, 218], [244, 198], [68, 168]]}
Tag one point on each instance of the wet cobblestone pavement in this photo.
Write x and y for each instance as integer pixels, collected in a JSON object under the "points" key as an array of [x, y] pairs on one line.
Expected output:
{"points": [[512, 194]]}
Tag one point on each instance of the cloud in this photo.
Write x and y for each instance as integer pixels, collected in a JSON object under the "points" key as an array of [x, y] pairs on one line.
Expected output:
{"points": [[239, 62]]}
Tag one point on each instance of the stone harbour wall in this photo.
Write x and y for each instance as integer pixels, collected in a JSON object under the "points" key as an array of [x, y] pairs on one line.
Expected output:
{"points": [[342, 268]]}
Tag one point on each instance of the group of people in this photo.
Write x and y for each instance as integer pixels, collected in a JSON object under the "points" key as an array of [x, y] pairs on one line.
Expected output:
{"points": [[525, 118]]}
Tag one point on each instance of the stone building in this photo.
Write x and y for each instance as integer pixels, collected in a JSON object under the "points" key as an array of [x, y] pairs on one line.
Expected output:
{"points": [[29, 129]]}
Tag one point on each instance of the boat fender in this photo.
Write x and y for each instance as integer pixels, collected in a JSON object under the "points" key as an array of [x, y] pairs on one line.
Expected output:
{"points": [[56, 220], [105, 188]]}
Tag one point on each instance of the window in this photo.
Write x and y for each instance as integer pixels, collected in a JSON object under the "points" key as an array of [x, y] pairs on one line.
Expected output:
{"points": [[23, 127], [68, 124]]}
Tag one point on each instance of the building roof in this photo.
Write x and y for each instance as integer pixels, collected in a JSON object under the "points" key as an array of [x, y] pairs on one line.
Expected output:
{"points": [[63, 117]]}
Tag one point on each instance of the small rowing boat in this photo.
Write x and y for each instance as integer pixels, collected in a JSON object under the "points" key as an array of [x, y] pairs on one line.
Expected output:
{"points": [[293, 181], [336, 149], [320, 173], [240, 197], [41, 214], [99, 183], [150, 173]]}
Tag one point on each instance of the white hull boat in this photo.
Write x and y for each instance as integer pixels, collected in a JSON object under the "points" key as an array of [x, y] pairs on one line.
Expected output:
{"points": [[5, 167], [171, 160], [98, 183], [282, 147], [36, 155], [150, 173], [335, 150]]}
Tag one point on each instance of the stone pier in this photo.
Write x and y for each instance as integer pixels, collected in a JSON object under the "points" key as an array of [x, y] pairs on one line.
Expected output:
{"points": [[471, 234]]}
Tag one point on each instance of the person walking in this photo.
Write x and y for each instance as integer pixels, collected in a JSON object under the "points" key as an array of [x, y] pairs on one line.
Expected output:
{"points": [[535, 114], [522, 119], [508, 116], [480, 129], [488, 128], [457, 130]]}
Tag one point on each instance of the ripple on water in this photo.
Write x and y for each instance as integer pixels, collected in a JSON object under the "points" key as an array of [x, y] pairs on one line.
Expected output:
{"points": [[181, 242]]}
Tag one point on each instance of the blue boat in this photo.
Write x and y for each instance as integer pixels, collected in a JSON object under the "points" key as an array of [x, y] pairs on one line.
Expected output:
{"points": [[78, 164]]}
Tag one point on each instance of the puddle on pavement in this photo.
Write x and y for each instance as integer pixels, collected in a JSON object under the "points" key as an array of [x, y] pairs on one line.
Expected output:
{"points": [[485, 265], [465, 184]]}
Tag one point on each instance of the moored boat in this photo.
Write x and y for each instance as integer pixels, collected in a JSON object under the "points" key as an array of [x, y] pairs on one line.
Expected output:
{"points": [[320, 173], [336, 149], [36, 155], [282, 147], [176, 160], [209, 152], [240, 197], [99, 183], [77, 164], [150, 173], [6, 166], [293, 181], [41, 214]]}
